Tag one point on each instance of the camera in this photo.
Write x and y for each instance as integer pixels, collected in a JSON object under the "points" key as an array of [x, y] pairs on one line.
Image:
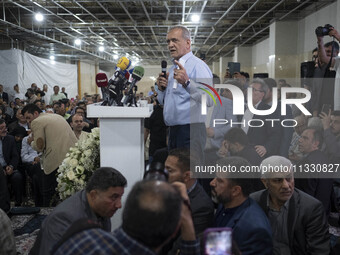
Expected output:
{"points": [[156, 171], [322, 31]]}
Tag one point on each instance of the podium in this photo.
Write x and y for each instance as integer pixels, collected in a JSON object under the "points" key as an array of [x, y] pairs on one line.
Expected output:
{"points": [[121, 143]]}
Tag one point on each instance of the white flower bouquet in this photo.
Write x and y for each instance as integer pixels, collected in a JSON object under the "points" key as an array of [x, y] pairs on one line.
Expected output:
{"points": [[80, 162]]}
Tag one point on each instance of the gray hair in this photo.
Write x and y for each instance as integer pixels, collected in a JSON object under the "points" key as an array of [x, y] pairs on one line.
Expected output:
{"points": [[264, 86], [185, 32], [275, 164]]}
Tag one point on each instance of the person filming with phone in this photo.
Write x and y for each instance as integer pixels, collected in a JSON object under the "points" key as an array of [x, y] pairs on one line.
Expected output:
{"points": [[328, 55]]}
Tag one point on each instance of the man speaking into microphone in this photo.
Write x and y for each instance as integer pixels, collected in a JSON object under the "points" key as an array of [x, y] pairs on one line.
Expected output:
{"points": [[178, 92]]}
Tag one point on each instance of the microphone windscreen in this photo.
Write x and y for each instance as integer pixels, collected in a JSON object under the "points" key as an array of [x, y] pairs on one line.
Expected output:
{"points": [[123, 63], [164, 64], [101, 80], [138, 73]]}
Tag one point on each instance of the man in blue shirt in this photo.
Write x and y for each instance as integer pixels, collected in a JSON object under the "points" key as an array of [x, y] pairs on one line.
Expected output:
{"points": [[180, 94], [250, 226]]}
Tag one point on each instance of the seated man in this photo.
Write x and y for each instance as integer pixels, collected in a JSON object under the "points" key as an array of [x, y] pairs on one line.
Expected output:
{"points": [[99, 202], [153, 214], [251, 229], [9, 160], [297, 219], [178, 166]]}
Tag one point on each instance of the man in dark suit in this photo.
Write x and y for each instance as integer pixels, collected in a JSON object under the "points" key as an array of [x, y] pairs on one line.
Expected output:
{"points": [[238, 145], [310, 143], [9, 160], [178, 166], [265, 135], [251, 229], [3, 95], [298, 220]]}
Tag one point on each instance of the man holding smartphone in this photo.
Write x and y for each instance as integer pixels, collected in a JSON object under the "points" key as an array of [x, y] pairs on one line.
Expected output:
{"points": [[325, 58]]}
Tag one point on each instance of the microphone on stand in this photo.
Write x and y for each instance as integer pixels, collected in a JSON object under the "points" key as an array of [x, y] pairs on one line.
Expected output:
{"points": [[137, 75], [102, 82], [118, 81]]}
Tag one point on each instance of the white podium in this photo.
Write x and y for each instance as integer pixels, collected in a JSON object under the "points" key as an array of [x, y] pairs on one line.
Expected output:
{"points": [[121, 143]]}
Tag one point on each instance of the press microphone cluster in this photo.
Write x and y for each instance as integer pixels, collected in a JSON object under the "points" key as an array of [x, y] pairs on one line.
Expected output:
{"points": [[113, 89]]}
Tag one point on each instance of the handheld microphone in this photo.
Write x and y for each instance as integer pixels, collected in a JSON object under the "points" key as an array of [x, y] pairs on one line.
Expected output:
{"points": [[137, 75], [101, 81], [164, 65]]}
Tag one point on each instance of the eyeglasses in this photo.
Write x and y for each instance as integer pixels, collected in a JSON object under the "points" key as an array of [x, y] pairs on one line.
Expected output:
{"points": [[257, 90]]}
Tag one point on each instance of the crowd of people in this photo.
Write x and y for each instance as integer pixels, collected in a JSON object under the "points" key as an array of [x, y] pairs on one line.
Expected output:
{"points": [[268, 211]]}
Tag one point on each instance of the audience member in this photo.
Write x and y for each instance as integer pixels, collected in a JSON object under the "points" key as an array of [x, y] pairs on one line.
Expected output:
{"points": [[9, 160], [321, 188], [267, 137], [60, 108], [17, 93], [297, 219], [77, 125], [331, 126], [301, 124], [52, 136], [63, 91], [99, 202], [3, 95], [31, 163], [251, 229], [178, 166], [31, 96], [56, 96], [21, 122], [153, 213], [286, 132]]}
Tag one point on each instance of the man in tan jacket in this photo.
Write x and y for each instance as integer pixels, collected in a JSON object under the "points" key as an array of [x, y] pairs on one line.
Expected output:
{"points": [[52, 136]]}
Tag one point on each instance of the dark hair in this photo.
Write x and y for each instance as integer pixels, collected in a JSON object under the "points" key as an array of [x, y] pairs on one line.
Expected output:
{"points": [[2, 121], [37, 101], [236, 135], [245, 74], [30, 108], [152, 212], [216, 79], [246, 184], [334, 44], [81, 103], [104, 178], [184, 157], [335, 113], [79, 107], [317, 136], [271, 83]]}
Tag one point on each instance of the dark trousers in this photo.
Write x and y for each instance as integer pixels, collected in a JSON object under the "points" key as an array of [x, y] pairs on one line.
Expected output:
{"points": [[49, 185], [191, 136], [16, 180], [4, 195], [36, 174]]}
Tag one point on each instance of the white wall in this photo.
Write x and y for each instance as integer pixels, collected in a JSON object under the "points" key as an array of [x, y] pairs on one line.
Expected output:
{"points": [[260, 53]]}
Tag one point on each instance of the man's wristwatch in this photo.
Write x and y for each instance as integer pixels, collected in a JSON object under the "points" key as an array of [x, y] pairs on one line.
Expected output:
{"points": [[186, 84]]}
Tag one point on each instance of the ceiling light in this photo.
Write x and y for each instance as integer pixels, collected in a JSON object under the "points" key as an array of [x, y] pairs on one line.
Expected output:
{"points": [[77, 41], [101, 48], [39, 17], [195, 18], [52, 57], [115, 56]]}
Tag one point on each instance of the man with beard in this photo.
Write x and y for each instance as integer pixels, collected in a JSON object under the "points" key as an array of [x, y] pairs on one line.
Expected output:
{"points": [[297, 219], [251, 228]]}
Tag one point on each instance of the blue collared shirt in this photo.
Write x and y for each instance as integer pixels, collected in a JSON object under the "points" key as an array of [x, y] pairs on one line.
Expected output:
{"points": [[183, 105]]}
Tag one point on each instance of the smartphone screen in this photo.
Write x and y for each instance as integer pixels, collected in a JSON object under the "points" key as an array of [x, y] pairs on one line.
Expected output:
{"points": [[217, 241]]}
